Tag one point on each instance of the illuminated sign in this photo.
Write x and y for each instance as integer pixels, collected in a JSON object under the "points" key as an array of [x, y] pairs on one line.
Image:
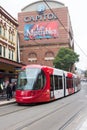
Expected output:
{"points": [[41, 30]]}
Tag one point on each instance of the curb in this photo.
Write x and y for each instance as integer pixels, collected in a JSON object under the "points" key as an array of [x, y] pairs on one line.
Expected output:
{"points": [[2, 103]]}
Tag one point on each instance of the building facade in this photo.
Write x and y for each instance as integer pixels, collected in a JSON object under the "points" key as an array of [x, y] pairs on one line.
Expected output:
{"points": [[9, 59], [44, 27]]}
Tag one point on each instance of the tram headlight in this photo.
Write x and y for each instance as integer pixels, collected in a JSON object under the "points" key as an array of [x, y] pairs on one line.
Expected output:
{"points": [[22, 93]]}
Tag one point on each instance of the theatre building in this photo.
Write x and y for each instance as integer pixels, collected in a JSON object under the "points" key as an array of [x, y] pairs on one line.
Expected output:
{"points": [[44, 27], [9, 58]]}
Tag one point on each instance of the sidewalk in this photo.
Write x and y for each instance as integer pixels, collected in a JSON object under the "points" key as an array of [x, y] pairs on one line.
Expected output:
{"points": [[4, 101]]}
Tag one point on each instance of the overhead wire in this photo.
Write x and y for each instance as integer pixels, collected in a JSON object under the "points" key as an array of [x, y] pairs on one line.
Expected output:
{"points": [[45, 1], [81, 49], [55, 15]]}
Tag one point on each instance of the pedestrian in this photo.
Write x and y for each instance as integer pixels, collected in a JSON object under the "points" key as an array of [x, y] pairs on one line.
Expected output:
{"points": [[1, 89], [9, 91], [13, 89]]}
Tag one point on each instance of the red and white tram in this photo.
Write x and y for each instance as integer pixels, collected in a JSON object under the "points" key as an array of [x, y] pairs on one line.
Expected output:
{"points": [[38, 83]]}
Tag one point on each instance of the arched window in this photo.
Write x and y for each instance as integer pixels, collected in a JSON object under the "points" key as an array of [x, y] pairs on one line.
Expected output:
{"points": [[49, 55], [32, 57]]}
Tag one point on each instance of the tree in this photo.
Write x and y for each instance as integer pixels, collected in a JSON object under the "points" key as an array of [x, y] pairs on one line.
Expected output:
{"points": [[65, 59]]}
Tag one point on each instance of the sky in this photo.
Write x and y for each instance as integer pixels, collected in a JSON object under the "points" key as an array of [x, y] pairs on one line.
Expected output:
{"points": [[77, 11]]}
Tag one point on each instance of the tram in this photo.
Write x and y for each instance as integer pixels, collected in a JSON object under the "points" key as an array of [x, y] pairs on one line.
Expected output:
{"points": [[37, 84]]}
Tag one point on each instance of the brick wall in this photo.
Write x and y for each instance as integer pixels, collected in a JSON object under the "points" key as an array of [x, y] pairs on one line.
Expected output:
{"points": [[42, 51]]}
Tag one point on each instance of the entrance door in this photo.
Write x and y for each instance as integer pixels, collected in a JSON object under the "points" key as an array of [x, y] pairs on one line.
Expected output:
{"points": [[51, 86]]}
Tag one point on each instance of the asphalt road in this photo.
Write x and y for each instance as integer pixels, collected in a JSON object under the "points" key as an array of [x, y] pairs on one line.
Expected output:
{"points": [[68, 113]]}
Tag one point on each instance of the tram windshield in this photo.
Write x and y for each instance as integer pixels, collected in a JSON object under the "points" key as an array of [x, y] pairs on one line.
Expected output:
{"points": [[31, 79]]}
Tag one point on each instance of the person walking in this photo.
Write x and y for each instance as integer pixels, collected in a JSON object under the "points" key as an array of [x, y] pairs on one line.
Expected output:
{"points": [[2, 89], [13, 89], [9, 91]]}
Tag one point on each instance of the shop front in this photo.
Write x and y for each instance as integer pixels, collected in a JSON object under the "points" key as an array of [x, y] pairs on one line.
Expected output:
{"points": [[9, 70]]}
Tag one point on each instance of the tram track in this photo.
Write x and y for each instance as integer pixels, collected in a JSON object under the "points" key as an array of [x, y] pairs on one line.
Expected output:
{"points": [[60, 113], [13, 111], [57, 106], [25, 126], [34, 121], [24, 107], [17, 110], [71, 119]]}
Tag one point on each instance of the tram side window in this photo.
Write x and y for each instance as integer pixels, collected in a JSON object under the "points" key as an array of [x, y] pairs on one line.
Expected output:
{"points": [[60, 83], [56, 82], [51, 82], [69, 83]]}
